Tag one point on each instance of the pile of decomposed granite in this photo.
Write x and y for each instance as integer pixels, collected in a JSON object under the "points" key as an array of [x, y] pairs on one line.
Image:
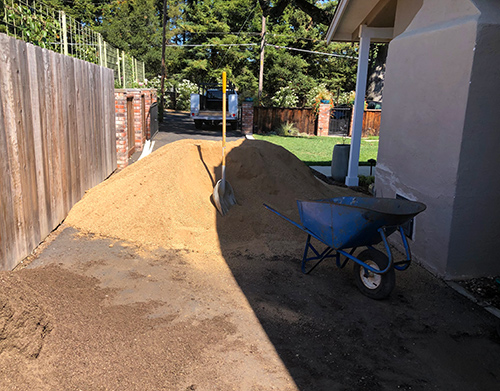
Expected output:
{"points": [[164, 200]]}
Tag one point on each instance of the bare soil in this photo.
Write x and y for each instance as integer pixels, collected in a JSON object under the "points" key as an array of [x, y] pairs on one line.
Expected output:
{"points": [[146, 287]]}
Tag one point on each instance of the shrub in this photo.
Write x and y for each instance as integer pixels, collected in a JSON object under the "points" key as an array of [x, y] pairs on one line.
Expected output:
{"points": [[285, 97], [287, 129], [185, 88]]}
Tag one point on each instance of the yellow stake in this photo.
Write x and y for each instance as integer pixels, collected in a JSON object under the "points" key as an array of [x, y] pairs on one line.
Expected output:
{"points": [[224, 126]]}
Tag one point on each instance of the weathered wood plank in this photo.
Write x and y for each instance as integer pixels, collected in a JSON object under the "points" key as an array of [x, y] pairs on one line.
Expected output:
{"points": [[85, 107], [92, 129], [73, 160], [15, 123], [8, 246], [37, 81], [80, 127], [57, 129], [63, 99], [29, 179], [57, 139], [99, 127]]}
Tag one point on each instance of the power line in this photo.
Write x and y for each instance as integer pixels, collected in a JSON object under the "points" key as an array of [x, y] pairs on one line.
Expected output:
{"points": [[248, 17], [214, 44], [312, 52], [267, 44]]}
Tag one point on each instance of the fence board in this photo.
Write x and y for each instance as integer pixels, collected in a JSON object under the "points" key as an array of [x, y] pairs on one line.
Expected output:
{"points": [[37, 82], [57, 139], [26, 141], [7, 237], [371, 123], [14, 122], [268, 119]]}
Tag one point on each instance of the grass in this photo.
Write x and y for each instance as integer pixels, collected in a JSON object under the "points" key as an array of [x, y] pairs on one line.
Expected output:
{"points": [[317, 151]]}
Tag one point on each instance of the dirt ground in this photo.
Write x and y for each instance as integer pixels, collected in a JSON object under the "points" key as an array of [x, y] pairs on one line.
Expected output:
{"points": [[94, 312], [102, 314]]}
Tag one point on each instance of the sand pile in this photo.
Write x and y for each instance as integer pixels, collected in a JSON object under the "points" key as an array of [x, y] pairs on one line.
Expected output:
{"points": [[165, 199], [24, 323]]}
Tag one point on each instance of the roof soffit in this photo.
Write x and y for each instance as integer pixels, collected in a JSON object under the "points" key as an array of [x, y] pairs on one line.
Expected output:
{"points": [[350, 14]]}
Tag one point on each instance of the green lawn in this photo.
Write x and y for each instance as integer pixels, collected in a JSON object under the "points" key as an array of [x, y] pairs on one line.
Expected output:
{"points": [[317, 151]]}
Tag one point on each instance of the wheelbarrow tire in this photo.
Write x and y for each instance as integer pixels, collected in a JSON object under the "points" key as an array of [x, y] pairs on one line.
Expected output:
{"points": [[375, 286]]}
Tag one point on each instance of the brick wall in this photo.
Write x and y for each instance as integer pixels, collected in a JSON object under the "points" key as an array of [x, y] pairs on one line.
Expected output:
{"points": [[323, 119], [247, 117], [121, 129], [140, 134]]}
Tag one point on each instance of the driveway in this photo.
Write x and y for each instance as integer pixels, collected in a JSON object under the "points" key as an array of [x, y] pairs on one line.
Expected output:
{"points": [[178, 125]]}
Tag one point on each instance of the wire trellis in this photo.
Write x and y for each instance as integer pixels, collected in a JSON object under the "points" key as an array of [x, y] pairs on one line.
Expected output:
{"points": [[37, 23]]}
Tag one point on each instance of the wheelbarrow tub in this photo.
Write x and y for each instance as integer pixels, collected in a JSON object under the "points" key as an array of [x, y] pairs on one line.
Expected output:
{"points": [[348, 222]]}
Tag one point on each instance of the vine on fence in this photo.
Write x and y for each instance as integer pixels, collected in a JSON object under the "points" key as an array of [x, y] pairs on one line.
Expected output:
{"points": [[34, 27], [48, 28]]}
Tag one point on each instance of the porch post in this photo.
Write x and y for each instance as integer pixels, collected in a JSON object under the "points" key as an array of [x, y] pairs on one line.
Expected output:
{"points": [[359, 106]]}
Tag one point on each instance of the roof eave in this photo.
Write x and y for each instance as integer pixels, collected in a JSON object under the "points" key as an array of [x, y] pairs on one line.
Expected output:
{"points": [[337, 16]]}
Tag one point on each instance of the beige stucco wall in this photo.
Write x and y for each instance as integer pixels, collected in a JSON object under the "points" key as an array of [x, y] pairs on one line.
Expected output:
{"points": [[405, 12], [476, 220], [436, 94]]}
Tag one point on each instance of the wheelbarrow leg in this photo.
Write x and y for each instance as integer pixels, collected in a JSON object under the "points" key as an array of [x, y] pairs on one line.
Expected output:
{"points": [[319, 257]]}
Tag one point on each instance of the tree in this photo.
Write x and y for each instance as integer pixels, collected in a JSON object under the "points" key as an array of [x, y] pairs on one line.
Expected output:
{"points": [[134, 26], [317, 14], [305, 70]]}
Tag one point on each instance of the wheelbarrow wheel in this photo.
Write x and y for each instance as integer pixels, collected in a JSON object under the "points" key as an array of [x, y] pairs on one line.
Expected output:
{"points": [[375, 286]]}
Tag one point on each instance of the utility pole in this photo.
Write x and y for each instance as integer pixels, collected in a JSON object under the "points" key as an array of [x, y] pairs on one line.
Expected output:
{"points": [[262, 46], [162, 88]]}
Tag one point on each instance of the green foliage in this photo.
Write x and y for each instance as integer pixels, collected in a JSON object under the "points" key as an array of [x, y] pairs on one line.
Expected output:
{"points": [[134, 26], [285, 97], [366, 181], [317, 95], [346, 98], [185, 88], [287, 129], [34, 27]]}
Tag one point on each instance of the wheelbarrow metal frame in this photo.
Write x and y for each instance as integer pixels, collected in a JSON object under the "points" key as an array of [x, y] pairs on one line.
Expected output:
{"points": [[327, 252]]}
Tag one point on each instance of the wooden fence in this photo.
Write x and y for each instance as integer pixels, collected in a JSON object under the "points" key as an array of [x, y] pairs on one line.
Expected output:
{"points": [[57, 139], [268, 119], [371, 123]]}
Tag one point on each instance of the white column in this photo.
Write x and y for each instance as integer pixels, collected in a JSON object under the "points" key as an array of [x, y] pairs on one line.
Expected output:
{"points": [[359, 106]]}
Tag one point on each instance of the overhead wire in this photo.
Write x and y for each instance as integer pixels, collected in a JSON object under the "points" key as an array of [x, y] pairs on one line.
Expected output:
{"points": [[246, 20], [311, 51]]}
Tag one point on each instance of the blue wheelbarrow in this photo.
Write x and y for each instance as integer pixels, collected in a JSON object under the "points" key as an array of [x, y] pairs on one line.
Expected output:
{"points": [[350, 223]]}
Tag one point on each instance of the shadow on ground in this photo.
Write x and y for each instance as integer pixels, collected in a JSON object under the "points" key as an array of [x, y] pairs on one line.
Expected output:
{"points": [[331, 337]]}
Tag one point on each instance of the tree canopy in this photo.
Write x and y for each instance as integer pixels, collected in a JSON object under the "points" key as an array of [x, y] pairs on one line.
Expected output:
{"points": [[205, 37]]}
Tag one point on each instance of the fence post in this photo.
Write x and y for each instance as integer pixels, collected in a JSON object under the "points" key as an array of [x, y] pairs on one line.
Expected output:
{"points": [[124, 84], [133, 70], [136, 73], [101, 59], [118, 64], [64, 33], [105, 54]]}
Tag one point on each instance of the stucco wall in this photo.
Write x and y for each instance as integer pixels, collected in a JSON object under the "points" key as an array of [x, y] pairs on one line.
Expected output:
{"points": [[425, 99], [405, 12], [476, 221]]}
